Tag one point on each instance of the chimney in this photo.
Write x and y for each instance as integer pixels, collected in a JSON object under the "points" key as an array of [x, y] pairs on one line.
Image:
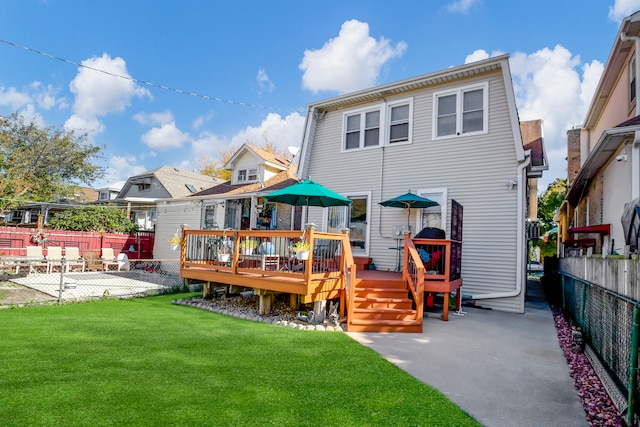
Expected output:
{"points": [[573, 155]]}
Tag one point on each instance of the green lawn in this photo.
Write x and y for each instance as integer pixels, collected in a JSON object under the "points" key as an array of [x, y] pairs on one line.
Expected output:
{"points": [[150, 363]]}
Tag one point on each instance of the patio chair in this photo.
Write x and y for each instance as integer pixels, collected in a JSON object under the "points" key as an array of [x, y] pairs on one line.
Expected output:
{"points": [[54, 258], [35, 259], [108, 259], [270, 262], [73, 258]]}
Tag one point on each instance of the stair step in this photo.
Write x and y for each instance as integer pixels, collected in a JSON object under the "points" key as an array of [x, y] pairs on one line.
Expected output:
{"points": [[371, 325], [384, 314], [373, 284]]}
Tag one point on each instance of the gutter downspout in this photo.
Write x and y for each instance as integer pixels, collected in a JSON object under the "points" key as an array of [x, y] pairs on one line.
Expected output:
{"points": [[520, 249], [635, 148]]}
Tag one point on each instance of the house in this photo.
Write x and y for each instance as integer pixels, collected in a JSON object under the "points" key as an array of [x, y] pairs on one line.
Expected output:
{"points": [[110, 191], [452, 135], [141, 193], [31, 213], [603, 155], [234, 204]]}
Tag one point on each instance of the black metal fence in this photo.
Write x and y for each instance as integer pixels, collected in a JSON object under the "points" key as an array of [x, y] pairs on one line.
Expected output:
{"points": [[606, 319]]}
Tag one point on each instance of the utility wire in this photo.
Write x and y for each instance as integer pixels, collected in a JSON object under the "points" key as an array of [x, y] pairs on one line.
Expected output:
{"points": [[146, 83]]}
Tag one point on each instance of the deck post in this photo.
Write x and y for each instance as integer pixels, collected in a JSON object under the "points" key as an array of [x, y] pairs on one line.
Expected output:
{"points": [[206, 290], [319, 310], [266, 300]]}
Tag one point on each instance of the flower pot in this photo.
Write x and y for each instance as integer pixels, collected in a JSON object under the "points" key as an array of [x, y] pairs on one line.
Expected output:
{"points": [[223, 257], [303, 255], [246, 251], [174, 247]]}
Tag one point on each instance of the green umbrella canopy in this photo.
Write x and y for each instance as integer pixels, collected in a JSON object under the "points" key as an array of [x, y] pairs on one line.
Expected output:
{"points": [[408, 201], [307, 193]]}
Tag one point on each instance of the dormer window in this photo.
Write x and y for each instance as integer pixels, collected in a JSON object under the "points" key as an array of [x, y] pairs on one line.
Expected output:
{"points": [[248, 175], [144, 186]]}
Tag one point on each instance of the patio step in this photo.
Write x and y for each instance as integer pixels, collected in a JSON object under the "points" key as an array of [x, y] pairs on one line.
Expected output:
{"points": [[383, 306]]}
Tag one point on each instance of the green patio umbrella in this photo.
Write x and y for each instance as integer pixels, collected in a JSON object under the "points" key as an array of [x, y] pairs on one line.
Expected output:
{"points": [[307, 193], [409, 201]]}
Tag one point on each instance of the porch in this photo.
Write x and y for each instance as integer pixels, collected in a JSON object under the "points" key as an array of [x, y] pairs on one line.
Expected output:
{"points": [[266, 261]]}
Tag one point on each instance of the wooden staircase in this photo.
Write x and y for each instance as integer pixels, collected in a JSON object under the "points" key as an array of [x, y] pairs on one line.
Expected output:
{"points": [[383, 306]]}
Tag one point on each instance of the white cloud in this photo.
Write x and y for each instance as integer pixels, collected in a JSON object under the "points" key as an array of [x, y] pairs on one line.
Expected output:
{"points": [[553, 85], [283, 132], [481, 54], [13, 99], [200, 121], [349, 62], [622, 9], [461, 6], [165, 137], [162, 118], [120, 168], [266, 85], [98, 94]]}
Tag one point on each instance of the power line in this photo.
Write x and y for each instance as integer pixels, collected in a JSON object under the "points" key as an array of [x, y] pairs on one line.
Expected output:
{"points": [[146, 83]]}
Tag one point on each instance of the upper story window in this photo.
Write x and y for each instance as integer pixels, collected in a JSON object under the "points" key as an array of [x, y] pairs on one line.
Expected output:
{"points": [[461, 111], [248, 175], [388, 123], [144, 186], [104, 195], [632, 80], [363, 130]]}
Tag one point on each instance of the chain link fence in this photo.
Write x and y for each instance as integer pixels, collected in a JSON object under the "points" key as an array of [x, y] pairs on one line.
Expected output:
{"points": [[63, 281], [606, 320]]}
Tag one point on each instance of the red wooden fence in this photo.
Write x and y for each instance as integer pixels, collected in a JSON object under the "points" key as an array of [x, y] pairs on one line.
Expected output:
{"points": [[14, 241]]}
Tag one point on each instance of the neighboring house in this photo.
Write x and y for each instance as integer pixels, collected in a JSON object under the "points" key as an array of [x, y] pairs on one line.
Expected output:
{"points": [[234, 204], [604, 155], [141, 193], [29, 213], [110, 192], [449, 135]]}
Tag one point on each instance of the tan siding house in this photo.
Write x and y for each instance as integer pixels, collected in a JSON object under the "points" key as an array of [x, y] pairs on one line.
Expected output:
{"points": [[449, 135]]}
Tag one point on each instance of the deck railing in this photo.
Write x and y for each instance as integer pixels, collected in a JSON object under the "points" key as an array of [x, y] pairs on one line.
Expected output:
{"points": [[413, 275], [266, 259]]}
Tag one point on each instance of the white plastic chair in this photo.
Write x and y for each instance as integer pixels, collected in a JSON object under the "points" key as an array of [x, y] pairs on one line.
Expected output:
{"points": [[72, 255], [54, 258], [108, 258]]}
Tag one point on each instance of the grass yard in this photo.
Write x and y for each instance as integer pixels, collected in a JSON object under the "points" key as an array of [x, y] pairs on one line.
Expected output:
{"points": [[150, 363]]}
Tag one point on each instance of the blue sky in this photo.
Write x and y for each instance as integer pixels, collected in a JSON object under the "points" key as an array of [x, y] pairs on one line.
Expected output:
{"points": [[254, 66]]}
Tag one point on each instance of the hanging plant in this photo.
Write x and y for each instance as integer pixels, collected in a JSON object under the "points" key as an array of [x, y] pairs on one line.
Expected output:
{"points": [[39, 238]]}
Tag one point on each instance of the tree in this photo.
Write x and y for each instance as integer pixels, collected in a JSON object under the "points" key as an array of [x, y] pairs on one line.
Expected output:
{"points": [[548, 204], [102, 219], [42, 164]]}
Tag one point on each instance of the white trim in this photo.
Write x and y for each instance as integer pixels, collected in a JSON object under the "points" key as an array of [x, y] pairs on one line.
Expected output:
{"points": [[355, 194], [459, 92], [362, 112], [387, 125], [442, 194]]}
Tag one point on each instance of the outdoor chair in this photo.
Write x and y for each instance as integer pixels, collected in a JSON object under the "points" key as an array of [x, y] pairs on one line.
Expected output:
{"points": [[72, 255], [54, 258], [270, 262], [108, 259], [35, 259]]}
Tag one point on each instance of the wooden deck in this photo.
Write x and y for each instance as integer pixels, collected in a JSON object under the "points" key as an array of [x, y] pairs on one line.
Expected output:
{"points": [[379, 300]]}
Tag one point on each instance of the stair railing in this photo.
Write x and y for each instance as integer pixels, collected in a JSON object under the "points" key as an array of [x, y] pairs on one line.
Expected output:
{"points": [[413, 275]]}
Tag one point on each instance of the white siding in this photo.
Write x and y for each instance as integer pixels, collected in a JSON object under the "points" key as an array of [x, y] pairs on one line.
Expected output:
{"points": [[171, 217], [475, 171]]}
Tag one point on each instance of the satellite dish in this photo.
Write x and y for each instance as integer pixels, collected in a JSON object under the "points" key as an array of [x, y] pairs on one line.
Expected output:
{"points": [[293, 150]]}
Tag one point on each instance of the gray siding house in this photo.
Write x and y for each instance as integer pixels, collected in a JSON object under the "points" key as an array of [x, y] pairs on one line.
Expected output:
{"points": [[448, 135]]}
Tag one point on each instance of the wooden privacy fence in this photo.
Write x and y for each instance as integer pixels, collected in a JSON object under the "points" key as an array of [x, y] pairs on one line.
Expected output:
{"points": [[14, 241]]}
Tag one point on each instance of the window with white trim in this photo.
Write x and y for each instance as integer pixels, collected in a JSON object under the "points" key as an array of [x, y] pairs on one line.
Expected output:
{"points": [[355, 217], [248, 175], [435, 216], [362, 130], [388, 123], [632, 80], [461, 111], [252, 174], [242, 175]]}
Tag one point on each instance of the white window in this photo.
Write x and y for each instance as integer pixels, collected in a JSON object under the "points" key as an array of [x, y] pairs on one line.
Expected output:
{"points": [[253, 174], [400, 122], [248, 175], [632, 80], [388, 123], [461, 111], [104, 195], [362, 130], [355, 217], [242, 175], [435, 216]]}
